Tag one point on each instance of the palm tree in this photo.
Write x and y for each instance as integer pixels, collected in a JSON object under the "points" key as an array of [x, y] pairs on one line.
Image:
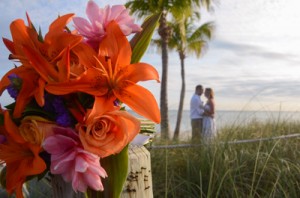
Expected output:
{"points": [[144, 8], [188, 40]]}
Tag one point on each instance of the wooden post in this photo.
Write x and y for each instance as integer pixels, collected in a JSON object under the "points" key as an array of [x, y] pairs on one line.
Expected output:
{"points": [[139, 180]]}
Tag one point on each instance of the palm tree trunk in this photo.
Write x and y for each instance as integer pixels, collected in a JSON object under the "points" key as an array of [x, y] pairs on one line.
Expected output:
{"points": [[164, 32], [181, 101]]}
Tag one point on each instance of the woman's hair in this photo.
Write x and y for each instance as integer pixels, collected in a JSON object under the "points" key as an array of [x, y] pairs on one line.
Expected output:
{"points": [[210, 92]]}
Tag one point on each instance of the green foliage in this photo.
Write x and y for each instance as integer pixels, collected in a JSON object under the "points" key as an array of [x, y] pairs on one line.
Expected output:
{"points": [[147, 127], [1, 119], [140, 42], [34, 109], [223, 169], [188, 39], [3, 177], [116, 167]]}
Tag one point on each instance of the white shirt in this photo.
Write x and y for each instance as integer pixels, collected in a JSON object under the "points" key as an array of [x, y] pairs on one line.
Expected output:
{"points": [[196, 107]]}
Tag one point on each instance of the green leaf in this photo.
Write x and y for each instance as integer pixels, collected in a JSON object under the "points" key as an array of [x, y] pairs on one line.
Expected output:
{"points": [[40, 38], [3, 177], [10, 106], [140, 42], [1, 119], [116, 167], [34, 109]]}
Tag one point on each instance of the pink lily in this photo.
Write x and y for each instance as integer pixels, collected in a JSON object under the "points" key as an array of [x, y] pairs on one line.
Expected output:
{"points": [[75, 164], [95, 29]]}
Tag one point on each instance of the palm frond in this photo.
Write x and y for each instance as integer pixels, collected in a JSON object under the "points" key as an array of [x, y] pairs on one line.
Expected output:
{"points": [[198, 48], [207, 4], [204, 32], [181, 10], [156, 42], [140, 8], [191, 40], [185, 37]]}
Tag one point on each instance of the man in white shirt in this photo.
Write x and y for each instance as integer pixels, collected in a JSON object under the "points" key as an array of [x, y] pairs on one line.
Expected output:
{"points": [[196, 113]]}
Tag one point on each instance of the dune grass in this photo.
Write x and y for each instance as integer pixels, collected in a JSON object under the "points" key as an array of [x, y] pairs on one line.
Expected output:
{"points": [[222, 168]]}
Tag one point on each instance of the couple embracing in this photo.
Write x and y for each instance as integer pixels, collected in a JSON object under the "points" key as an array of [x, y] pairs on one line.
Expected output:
{"points": [[202, 114]]}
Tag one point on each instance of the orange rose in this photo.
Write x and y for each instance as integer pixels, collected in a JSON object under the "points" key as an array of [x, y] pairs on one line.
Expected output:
{"points": [[108, 133], [34, 129]]}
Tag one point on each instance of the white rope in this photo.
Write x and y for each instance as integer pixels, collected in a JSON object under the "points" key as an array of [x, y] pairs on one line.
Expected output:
{"points": [[229, 142]]}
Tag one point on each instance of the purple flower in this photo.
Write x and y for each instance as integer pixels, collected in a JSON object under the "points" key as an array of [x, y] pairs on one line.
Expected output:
{"points": [[64, 119], [2, 139], [56, 105], [15, 85], [117, 103]]}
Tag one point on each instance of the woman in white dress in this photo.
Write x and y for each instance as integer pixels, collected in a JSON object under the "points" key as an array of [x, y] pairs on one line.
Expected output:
{"points": [[209, 125]]}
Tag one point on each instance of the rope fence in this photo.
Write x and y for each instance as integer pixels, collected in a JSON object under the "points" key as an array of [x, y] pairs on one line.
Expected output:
{"points": [[296, 135]]}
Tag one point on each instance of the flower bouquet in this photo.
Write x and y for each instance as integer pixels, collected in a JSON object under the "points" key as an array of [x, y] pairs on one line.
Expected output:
{"points": [[69, 88]]}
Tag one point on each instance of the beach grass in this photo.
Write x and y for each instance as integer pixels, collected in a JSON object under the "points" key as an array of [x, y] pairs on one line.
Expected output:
{"points": [[226, 167]]}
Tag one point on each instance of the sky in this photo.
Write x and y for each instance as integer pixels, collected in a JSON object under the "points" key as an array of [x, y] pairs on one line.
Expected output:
{"points": [[252, 62]]}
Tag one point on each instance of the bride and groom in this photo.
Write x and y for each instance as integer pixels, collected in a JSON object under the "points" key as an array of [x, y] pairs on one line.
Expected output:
{"points": [[202, 114]]}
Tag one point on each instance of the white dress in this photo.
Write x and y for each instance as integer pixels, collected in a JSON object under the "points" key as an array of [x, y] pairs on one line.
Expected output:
{"points": [[209, 124]]}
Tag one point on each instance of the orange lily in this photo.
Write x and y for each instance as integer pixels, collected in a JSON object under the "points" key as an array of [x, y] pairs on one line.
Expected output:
{"points": [[22, 158], [32, 86], [50, 58], [42, 61], [111, 76]]}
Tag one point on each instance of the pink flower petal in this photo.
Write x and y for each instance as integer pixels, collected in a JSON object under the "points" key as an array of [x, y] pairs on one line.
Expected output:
{"points": [[82, 25], [93, 181], [94, 30], [58, 144], [78, 183], [93, 12], [73, 163], [69, 175], [81, 165], [125, 29], [62, 163], [116, 11]]}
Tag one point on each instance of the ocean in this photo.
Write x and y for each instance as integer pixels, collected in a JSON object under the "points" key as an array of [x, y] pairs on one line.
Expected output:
{"points": [[229, 118]]}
